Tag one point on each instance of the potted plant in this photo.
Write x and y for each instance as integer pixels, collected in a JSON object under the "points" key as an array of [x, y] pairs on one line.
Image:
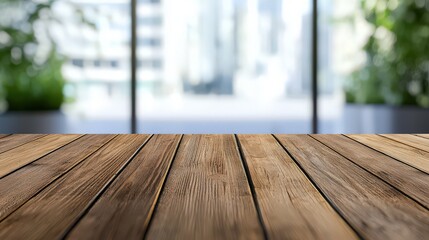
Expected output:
{"points": [[390, 92], [30, 69], [31, 79]]}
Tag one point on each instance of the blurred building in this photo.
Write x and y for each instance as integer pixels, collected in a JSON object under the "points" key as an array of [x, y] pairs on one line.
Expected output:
{"points": [[210, 47], [197, 51]]}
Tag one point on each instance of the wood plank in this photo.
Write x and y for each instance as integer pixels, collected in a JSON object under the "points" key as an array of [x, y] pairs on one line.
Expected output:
{"points": [[423, 135], [18, 187], [124, 210], [206, 195], [411, 140], [291, 207], [16, 140], [4, 135], [375, 209], [51, 212], [407, 179], [404, 153], [29, 152]]}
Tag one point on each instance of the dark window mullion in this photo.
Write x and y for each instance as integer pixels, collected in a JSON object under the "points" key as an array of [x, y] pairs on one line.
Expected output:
{"points": [[133, 69], [314, 68]]}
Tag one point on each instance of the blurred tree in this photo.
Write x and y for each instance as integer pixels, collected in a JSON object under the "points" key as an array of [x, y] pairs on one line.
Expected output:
{"points": [[397, 65], [30, 65]]}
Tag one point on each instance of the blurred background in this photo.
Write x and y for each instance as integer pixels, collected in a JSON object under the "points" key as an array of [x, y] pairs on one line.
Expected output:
{"points": [[214, 66]]}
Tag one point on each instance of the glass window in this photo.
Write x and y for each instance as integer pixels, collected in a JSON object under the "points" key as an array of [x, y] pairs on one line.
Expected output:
{"points": [[342, 35], [213, 66], [98, 65], [227, 66], [85, 43]]}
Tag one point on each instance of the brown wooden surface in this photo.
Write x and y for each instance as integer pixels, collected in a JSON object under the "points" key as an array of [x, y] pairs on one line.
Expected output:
{"points": [[124, 210], [17, 188], [423, 135], [17, 157], [206, 194], [57, 207], [407, 179], [214, 186], [16, 140], [411, 140], [410, 155], [272, 172], [375, 209]]}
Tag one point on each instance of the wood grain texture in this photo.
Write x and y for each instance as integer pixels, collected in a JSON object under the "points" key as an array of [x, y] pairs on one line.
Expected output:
{"points": [[51, 212], [124, 210], [423, 135], [206, 195], [411, 140], [407, 179], [374, 209], [16, 140], [18, 187], [404, 153], [3, 135], [291, 207], [29, 152]]}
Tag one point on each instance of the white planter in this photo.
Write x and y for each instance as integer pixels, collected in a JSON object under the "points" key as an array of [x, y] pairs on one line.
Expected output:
{"points": [[368, 118], [33, 122]]}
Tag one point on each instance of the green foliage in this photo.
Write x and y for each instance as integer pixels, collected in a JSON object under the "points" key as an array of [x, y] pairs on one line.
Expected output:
{"points": [[397, 68], [32, 87], [30, 77]]}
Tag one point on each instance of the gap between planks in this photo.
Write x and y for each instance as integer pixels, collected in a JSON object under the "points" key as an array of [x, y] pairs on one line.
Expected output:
{"points": [[124, 210], [282, 189], [19, 187], [251, 185], [247, 173], [412, 182], [411, 156], [409, 140], [16, 158], [374, 208], [79, 188], [207, 194], [12, 141]]}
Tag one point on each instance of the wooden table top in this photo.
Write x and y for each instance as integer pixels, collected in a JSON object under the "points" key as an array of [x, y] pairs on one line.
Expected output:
{"points": [[214, 186]]}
